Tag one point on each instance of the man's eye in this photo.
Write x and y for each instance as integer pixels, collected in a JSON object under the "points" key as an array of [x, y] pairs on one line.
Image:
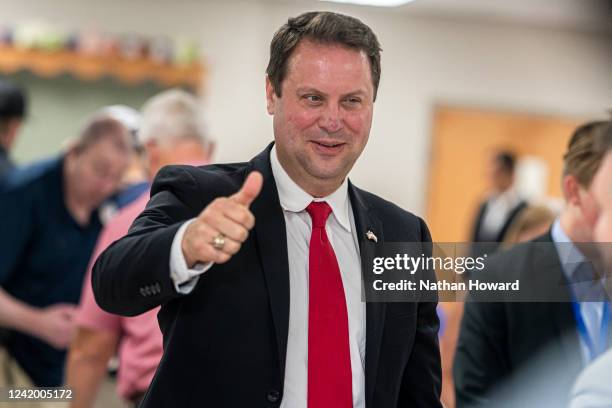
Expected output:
{"points": [[313, 98], [353, 101]]}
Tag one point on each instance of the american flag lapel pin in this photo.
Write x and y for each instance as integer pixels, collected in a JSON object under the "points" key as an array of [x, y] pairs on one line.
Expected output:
{"points": [[370, 235]]}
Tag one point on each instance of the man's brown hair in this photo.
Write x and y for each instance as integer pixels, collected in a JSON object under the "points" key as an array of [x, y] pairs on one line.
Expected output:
{"points": [[99, 127], [605, 140], [584, 155], [321, 27]]}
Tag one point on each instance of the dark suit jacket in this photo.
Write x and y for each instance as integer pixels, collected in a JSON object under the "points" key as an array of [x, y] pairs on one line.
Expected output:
{"points": [[479, 236], [225, 343], [508, 350]]}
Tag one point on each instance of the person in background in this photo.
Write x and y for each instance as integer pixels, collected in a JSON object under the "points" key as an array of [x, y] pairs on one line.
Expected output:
{"points": [[532, 222], [504, 348], [502, 206], [593, 389], [49, 227], [134, 182], [172, 133], [13, 109], [498, 222]]}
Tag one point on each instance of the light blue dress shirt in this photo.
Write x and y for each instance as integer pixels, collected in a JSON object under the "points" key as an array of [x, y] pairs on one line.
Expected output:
{"points": [[571, 260]]}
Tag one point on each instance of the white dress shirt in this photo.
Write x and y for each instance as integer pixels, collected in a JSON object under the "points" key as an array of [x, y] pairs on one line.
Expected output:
{"points": [[342, 234], [497, 210]]}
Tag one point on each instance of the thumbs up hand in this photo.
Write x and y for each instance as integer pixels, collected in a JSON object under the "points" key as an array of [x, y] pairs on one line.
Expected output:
{"points": [[221, 228]]}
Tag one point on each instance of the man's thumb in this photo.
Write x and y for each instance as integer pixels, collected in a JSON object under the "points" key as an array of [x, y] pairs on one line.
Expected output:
{"points": [[250, 189]]}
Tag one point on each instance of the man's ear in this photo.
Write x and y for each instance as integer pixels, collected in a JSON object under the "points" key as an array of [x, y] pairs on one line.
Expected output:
{"points": [[12, 129], [571, 188], [270, 96], [210, 150], [153, 154]]}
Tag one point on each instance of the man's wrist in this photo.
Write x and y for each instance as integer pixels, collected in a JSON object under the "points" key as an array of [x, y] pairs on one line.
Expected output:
{"points": [[188, 260], [184, 275], [28, 319]]}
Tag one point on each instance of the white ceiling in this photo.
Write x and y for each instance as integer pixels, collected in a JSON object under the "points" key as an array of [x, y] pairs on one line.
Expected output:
{"points": [[580, 14], [590, 15]]}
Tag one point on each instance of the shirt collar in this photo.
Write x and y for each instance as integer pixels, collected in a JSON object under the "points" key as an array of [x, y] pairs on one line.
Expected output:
{"points": [[293, 198], [569, 255]]}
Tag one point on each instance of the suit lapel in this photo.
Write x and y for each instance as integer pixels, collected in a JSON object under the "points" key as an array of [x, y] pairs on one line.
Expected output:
{"points": [[271, 238], [548, 266], [366, 220]]}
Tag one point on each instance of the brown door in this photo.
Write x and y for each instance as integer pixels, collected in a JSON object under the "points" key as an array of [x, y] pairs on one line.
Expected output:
{"points": [[463, 140]]}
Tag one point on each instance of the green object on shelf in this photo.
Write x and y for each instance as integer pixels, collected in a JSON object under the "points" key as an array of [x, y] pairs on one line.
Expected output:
{"points": [[59, 106]]}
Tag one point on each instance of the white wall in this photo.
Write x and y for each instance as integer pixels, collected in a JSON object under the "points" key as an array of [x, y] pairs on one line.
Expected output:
{"points": [[426, 60]]}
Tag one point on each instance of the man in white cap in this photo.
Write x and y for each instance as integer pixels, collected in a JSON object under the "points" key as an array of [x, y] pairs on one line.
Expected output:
{"points": [[172, 132]]}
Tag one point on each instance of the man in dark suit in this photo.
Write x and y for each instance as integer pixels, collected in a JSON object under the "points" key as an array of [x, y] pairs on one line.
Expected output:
{"points": [[256, 265], [592, 389], [502, 207], [13, 109], [529, 354]]}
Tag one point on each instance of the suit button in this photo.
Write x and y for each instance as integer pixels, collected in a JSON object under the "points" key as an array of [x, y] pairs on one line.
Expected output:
{"points": [[273, 396]]}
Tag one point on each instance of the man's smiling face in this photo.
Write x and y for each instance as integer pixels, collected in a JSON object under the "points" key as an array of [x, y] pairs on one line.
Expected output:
{"points": [[323, 117]]}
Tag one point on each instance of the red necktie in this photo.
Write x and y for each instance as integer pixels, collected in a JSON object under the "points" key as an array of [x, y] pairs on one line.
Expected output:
{"points": [[329, 357]]}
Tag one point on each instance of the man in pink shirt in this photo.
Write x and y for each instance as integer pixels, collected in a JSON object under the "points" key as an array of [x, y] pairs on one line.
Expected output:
{"points": [[172, 132]]}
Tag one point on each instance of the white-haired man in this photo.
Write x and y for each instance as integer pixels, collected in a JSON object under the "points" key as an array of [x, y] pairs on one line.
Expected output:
{"points": [[171, 132]]}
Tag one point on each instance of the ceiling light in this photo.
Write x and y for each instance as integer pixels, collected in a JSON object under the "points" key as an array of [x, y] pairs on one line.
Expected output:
{"points": [[376, 3]]}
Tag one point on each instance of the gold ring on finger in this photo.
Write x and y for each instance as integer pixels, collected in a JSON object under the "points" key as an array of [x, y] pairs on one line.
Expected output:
{"points": [[218, 241]]}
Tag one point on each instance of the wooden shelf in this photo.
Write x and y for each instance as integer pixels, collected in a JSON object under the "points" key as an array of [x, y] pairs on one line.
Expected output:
{"points": [[92, 68]]}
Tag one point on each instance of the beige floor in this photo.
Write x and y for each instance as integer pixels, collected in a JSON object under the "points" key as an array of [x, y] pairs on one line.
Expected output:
{"points": [[107, 397]]}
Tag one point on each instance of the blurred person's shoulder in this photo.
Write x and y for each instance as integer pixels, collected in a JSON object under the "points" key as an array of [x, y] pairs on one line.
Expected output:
{"points": [[120, 223], [524, 248], [33, 175], [592, 388], [520, 258], [213, 180]]}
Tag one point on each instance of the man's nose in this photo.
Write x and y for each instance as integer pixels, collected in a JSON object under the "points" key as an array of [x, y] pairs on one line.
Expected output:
{"points": [[107, 186], [331, 119]]}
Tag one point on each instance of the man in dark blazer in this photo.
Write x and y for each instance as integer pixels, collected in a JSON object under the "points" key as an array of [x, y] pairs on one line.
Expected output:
{"points": [[497, 213], [518, 354], [592, 389], [225, 251], [13, 110]]}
